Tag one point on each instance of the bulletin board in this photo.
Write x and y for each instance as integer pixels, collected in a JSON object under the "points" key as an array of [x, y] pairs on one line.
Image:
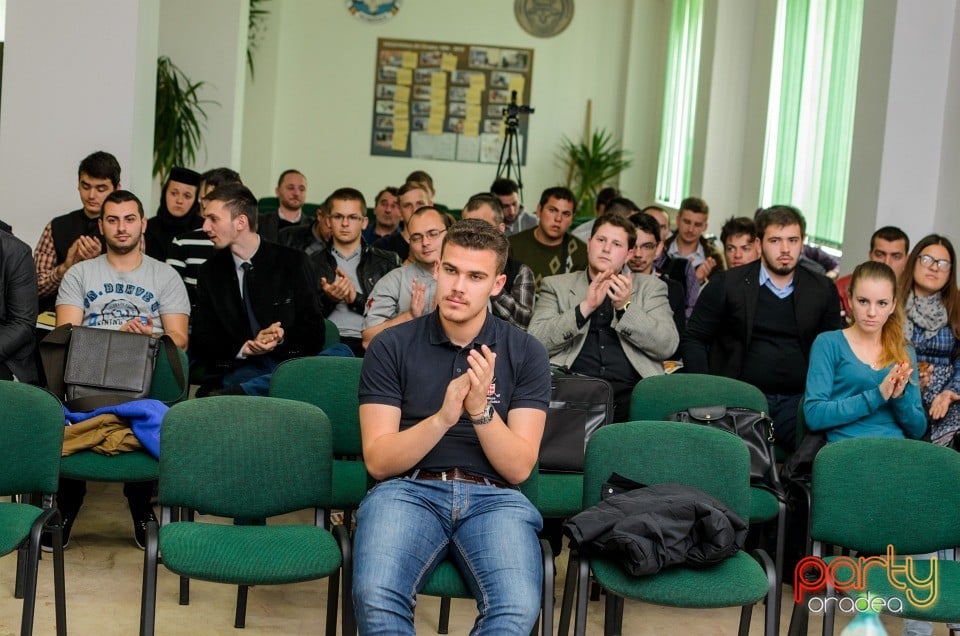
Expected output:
{"points": [[445, 101]]}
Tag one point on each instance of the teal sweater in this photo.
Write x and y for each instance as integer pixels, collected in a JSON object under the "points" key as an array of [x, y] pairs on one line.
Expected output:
{"points": [[843, 395]]}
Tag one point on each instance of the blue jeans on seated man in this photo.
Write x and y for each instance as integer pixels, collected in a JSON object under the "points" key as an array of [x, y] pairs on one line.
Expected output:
{"points": [[254, 375], [406, 527]]}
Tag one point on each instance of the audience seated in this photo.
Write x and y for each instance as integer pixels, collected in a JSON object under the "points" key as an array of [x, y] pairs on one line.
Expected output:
{"points": [[604, 323], [292, 194], [256, 301], [757, 323], [413, 196], [178, 213], [75, 236], [690, 243], [514, 303], [408, 292], [348, 269], [548, 249], [928, 290], [125, 290], [644, 255], [386, 212], [863, 381], [515, 218], [604, 197], [188, 251], [739, 239], [452, 410], [889, 245], [678, 269], [18, 310], [308, 239]]}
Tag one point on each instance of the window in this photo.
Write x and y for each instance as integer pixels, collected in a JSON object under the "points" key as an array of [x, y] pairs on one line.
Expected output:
{"points": [[679, 102], [813, 91]]}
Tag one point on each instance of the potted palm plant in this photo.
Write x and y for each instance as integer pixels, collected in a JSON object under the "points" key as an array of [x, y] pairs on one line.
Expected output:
{"points": [[591, 165], [179, 119]]}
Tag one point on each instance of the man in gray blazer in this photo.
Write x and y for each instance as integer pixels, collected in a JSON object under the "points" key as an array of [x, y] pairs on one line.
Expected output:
{"points": [[604, 322]]}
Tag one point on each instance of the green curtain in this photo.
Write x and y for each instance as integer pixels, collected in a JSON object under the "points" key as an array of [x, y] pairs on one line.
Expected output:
{"points": [[811, 110], [679, 102]]}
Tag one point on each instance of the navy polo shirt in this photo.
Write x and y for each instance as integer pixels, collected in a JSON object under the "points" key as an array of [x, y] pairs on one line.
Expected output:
{"points": [[410, 365]]}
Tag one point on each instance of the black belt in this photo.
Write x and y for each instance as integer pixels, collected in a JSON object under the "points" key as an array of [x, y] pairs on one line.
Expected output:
{"points": [[455, 474]]}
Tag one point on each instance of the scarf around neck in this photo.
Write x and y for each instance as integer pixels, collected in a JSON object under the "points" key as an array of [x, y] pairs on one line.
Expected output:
{"points": [[927, 312]]}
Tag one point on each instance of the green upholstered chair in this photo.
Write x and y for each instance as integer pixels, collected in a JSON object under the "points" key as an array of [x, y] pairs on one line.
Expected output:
{"points": [[331, 383], [446, 581], [247, 458], [872, 493], [671, 452], [331, 334], [32, 432], [657, 397]]}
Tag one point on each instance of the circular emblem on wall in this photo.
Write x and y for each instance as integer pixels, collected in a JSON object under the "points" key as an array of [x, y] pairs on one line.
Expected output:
{"points": [[543, 18], [373, 10]]}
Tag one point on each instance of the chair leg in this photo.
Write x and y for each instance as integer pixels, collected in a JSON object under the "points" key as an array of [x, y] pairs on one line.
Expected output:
{"points": [[443, 625], [569, 593], [828, 612], [333, 590], [348, 623], [746, 613], [241, 618], [22, 558], [799, 620], [30, 577], [148, 599], [549, 576], [779, 556], [613, 615], [59, 584], [583, 582], [184, 590]]}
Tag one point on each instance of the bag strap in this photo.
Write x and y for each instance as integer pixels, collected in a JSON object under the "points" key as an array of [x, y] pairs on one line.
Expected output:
{"points": [[173, 359]]}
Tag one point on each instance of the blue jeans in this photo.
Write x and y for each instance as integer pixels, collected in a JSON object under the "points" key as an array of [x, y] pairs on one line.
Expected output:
{"points": [[406, 527]]}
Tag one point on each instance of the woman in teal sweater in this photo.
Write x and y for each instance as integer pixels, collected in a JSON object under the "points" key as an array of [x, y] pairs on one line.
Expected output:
{"points": [[862, 380]]}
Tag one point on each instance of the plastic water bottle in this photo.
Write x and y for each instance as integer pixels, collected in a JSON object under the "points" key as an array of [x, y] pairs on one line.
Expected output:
{"points": [[864, 624]]}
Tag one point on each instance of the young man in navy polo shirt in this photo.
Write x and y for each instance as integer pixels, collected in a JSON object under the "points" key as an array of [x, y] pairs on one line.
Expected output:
{"points": [[452, 409]]}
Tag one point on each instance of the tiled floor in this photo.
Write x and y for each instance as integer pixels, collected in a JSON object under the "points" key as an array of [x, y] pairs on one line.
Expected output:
{"points": [[104, 570]]}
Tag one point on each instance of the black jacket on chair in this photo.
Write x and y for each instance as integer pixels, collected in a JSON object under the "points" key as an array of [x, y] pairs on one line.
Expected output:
{"points": [[720, 328], [658, 526], [282, 289]]}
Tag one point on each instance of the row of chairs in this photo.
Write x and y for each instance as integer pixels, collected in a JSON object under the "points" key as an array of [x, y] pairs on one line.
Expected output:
{"points": [[648, 452]]}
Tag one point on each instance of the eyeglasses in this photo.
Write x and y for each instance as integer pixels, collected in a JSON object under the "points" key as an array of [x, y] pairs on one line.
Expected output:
{"points": [[942, 264], [340, 218], [417, 239]]}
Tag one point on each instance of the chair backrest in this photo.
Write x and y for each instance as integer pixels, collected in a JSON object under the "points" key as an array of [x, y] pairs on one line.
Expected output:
{"points": [[654, 452], [656, 397], [330, 383], [871, 492], [32, 432], [166, 387], [246, 457], [331, 334]]}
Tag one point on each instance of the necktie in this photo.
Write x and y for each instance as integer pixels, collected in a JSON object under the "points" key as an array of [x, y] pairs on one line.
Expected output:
{"points": [[247, 304]]}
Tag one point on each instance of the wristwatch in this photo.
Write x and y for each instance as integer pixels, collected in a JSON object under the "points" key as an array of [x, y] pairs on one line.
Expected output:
{"points": [[485, 417]]}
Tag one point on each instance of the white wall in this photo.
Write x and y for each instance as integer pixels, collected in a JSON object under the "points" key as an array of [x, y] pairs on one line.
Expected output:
{"points": [[76, 78], [322, 93], [208, 42]]}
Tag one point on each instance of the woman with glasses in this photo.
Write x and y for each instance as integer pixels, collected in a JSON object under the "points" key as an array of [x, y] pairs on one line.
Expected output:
{"points": [[928, 290]]}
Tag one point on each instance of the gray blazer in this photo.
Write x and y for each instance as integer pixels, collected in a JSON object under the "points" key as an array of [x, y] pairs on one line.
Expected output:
{"points": [[647, 331]]}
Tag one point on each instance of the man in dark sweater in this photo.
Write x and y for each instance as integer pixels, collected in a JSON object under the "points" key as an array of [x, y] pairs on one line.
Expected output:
{"points": [[75, 236], [756, 323]]}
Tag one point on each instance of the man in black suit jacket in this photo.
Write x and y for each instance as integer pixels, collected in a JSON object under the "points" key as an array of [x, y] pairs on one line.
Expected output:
{"points": [[245, 338], [757, 322], [18, 310]]}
